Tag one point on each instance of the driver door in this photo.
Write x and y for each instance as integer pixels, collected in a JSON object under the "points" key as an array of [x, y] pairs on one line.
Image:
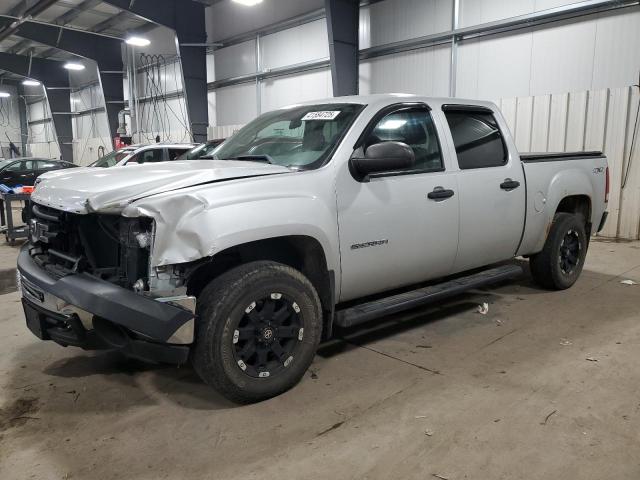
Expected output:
{"points": [[392, 232]]}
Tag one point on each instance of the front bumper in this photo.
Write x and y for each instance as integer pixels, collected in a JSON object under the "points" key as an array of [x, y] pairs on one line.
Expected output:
{"points": [[90, 313]]}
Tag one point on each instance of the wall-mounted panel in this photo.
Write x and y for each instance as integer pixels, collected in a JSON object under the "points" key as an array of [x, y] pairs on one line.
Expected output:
{"points": [[295, 45], [237, 104], [280, 91], [394, 20], [236, 60], [421, 72], [495, 66], [562, 56]]}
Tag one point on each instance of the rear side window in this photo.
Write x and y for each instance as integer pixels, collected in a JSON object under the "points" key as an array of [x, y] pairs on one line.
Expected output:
{"points": [[477, 138], [176, 152]]}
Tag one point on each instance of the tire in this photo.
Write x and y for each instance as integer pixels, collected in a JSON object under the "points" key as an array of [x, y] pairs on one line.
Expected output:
{"points": [[240, 315], [559, 264]]}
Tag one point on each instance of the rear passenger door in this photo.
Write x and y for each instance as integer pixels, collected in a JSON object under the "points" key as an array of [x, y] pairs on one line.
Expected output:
{"points": [[491, 187]]}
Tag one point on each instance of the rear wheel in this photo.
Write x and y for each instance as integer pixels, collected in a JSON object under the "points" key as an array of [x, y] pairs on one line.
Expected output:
{"points": [[560, 262], [259, 328]]}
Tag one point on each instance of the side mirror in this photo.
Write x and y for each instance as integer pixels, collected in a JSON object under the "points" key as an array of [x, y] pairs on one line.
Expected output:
{"points": [[384, 157]]}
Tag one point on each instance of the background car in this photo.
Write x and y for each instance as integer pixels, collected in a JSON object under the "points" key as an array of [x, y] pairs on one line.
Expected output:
{"points": [[156, 152], [24, 171], [203, 150]]}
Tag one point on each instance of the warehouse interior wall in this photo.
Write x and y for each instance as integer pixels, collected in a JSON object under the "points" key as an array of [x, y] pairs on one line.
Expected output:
{"points": [[10, 120]]}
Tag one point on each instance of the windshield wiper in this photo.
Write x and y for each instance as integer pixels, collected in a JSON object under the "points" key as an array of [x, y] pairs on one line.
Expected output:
{"points": [[253, 158]]}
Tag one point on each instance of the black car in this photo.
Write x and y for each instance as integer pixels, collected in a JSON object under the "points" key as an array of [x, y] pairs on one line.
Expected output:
{"points": [[24, 171]]}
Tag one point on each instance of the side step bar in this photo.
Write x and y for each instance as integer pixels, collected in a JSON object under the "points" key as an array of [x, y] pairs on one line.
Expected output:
{"points": [[415, 298]]}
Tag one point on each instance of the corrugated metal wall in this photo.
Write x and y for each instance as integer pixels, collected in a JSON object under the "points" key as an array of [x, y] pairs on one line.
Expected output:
{"points": [[587, 120]]}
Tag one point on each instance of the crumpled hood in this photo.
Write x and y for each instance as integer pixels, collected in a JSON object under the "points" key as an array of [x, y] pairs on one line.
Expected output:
{"points": [[84, 190]]}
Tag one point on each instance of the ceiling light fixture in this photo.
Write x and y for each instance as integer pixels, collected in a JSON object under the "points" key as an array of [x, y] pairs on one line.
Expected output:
{"points": [[31, 83], [248, 3], [73, 66], [138, 41], [4, 94]]}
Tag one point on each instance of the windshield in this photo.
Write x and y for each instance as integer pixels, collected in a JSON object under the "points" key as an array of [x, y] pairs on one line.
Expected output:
{"points": [[204, 150], [4, 163], [110, 159], [300, 137]]}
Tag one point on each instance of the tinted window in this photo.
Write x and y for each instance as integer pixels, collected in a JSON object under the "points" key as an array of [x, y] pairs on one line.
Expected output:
{"points": [[415, 128], [478, 140], [155, 155], [176, 152], [47, 165], [14, 167]]}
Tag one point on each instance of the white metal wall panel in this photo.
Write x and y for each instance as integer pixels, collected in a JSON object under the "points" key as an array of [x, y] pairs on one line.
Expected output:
{"points": [[562, 57], [294, 45], [394, 20], [227, 19], [496, 66], [540, 123], [629, 222], [10, 117], [236, 104], [281, 91], [524, 118], [423, 72], [588, 120], [236, 60], [473, 12], [577, 116], [596, 120], [617, 55], [558, 122], [614, 148]]}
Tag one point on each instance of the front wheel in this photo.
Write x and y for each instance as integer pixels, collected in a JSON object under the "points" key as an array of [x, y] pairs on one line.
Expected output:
{"points": [[258, 331], [560, 262]]}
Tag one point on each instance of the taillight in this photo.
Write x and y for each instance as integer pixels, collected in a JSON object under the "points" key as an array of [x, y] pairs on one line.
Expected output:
{"points": [[606, 186]]}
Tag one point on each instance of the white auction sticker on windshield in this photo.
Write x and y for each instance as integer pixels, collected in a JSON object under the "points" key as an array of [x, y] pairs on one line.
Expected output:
{"points": [[327, 115]]}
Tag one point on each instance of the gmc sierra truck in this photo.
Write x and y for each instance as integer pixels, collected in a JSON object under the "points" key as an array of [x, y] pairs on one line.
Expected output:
{"points": [[316, 215]]}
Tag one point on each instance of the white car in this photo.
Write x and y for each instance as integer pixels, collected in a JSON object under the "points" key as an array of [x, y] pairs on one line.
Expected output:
{"points": [[135, 154]]}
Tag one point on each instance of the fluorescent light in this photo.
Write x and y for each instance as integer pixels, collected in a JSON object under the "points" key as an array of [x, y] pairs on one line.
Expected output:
{"points": [[31, 83], [4, 94], [248, 3], [138, 41], [73, 66]]}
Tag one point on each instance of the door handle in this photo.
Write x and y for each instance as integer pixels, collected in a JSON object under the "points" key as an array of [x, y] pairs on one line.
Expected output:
{"points": [[509, 184], [440, 193]]}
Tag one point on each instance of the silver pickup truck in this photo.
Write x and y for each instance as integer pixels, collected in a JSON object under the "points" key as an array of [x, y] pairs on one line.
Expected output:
{"points": [[316, 215]]}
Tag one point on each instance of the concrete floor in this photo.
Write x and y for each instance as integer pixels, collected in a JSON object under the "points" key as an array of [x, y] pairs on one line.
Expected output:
{"points": [[546, 385]]}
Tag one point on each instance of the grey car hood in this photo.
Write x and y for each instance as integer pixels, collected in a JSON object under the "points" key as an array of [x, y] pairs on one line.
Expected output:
{"points": [[86, 190]]}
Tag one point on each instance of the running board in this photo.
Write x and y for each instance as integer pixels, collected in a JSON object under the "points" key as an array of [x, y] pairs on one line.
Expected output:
{"points": [[416, 298]]}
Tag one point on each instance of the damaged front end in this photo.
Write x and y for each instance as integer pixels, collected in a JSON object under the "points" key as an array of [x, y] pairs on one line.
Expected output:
{"points": [[87, 280]]}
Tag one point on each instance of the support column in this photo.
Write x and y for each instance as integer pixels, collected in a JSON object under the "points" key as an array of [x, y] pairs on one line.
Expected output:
{"points": [[342, 23], [60, 104]]}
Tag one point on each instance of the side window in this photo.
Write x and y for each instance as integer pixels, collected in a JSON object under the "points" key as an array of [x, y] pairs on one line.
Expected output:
{"points": [[47, 165], [154, 155], [29, 165], [415, 128], [176, 152], [15, 167], [477, 138]]}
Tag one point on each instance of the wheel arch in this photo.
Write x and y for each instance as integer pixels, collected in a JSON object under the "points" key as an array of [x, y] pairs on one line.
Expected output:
{"points": [[302, 252]]}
